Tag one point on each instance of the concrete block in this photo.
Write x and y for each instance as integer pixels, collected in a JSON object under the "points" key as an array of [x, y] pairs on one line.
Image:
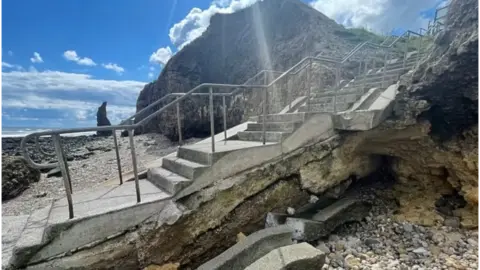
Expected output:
{"points": [[275, 219], [250, 249], [299, 256], [305, 229], [326, 220], [275, 126]]}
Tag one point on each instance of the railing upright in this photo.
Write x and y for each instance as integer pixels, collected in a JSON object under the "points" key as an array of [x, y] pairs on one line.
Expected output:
{"points": [[264, 111], [179, 125], [117, 154], [212, 119], [134, 164], [224, 103], [64, 170], [307, 83], [405, 52], [387, 56]]}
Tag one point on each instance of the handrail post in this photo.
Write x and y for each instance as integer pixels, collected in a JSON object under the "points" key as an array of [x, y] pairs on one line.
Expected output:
{"points": [[134, 163], [336, 88], [289, 95], [66, 181], [224, 118], [365, 75], [419, 48], [264, 109], [385, 67], [179, 125], [212, 124], [117, 154], [309, 66], [405, 52]]}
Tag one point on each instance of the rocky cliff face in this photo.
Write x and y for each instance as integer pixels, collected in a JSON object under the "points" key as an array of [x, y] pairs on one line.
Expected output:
{"points": [[432, 137], [272, 34]]}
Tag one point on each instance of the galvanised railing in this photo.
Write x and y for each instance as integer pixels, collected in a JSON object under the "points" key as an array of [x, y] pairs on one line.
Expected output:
{"points": [[129, 126]]}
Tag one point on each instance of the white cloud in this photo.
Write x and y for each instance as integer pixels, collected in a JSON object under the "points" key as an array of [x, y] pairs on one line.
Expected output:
{"points": [[378, 15], [36, 58], [114, 67], [197, 20], [150, 75], [161, 56], [78, 95], [57, 80], [11, 66], [71, 55], [7, 65]]}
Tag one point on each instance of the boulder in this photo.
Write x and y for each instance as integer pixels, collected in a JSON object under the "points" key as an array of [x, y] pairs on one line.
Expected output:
{"points": [[16, 176], [102, 120]]}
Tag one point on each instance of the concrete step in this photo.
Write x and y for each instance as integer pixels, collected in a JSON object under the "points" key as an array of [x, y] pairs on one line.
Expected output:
{"points": [[195, 155], [369, 85], [274, 126], [183, 167], [167, 180], [250, 249], [376, 77], [298, 256], [287, 117], [328, 219], [257, 136], [317, 108], [370, 99]]}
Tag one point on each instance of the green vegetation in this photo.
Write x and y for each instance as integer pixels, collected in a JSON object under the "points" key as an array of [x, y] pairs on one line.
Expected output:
{"points": [[357, 35]]}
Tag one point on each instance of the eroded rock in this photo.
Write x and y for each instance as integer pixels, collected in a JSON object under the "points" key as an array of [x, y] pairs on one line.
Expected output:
{"points": [[16, 176]]}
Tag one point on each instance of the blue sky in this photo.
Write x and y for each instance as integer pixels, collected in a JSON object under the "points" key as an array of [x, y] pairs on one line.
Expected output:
{"points": [[61, 59]]}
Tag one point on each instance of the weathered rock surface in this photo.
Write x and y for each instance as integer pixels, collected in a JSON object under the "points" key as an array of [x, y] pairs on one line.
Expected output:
{"points": [[16, 176], [229, 52], [102, 120]]}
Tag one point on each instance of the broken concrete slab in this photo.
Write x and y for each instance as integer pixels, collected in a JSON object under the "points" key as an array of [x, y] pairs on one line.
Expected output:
{"points": [[275, 219], [326, 220], [250, 249], [299, 256]]}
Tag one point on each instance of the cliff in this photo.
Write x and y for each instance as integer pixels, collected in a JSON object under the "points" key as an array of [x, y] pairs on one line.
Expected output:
{"points": [[271, 34]]}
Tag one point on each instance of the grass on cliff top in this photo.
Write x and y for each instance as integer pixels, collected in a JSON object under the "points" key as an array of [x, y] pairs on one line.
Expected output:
{"points": [[358, 35]]}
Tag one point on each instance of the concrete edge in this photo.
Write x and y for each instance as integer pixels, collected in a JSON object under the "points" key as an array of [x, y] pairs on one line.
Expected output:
{"points": [[258, 243]]}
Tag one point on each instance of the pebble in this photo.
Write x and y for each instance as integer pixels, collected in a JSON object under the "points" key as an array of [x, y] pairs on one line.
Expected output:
{"points": [[380, 242]]}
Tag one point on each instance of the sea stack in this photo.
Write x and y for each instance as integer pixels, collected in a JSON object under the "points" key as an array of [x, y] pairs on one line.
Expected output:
{"points": [[102, 120]]}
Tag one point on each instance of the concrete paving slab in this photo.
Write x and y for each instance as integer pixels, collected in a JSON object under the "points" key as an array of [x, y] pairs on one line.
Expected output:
{"points": [[299, 256], [121, 196], [249, 250], [32, 236], [12, 227]]}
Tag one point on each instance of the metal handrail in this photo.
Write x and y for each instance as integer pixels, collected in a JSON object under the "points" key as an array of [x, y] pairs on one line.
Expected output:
{"points": [[55, 134]]}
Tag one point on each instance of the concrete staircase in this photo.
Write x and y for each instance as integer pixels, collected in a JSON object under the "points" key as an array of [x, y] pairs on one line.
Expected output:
{"points": [[353, 90], [49, 232]]}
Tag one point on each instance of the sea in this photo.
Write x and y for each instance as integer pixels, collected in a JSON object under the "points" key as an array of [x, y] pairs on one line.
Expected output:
{"points": [[23, 131]]}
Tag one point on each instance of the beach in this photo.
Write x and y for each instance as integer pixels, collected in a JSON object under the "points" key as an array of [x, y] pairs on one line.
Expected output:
{"points": [[92, 162]]}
